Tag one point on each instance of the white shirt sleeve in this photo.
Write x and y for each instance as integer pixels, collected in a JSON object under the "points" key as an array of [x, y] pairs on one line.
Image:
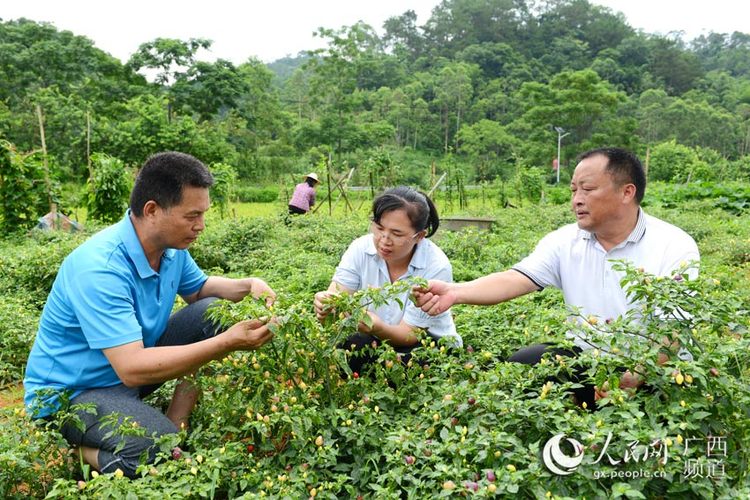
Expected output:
{"points": [[542, 266], [681, 251], [350, 268], [441, 325]]}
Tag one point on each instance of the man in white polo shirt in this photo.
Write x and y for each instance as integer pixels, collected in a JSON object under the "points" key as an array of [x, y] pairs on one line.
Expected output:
{"points": [[607, 188]]}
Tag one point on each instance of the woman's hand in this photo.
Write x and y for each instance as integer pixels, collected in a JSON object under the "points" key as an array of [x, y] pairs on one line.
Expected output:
{"points": [[373, 326], [260, 288], [322, 308]]}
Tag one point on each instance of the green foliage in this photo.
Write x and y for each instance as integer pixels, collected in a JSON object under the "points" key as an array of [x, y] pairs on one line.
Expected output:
{"points": [[108, 188], [674, 162], [222, 191], [19, 319], [479, 79], [144, 129], [252, 194], [32, 457], [23, 191], [29, 267], [732, 197], [475, 84], [529, 182], [168, 55], [287, 418], [491, 146]]}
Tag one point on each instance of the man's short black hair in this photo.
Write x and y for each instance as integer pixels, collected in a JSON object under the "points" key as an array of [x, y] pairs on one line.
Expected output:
{"points": [[624, 167], [163, 177]]}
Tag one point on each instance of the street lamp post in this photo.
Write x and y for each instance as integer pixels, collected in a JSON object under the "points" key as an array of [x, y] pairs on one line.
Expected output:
{"points": [[560, 135]]}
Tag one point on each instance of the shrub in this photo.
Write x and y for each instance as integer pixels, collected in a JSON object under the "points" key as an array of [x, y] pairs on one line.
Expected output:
{"points": [[287, 420], [30, 269], [19, 321], [222, 190], [108, 188], [252, 194], [671, 161], [22, 188]]}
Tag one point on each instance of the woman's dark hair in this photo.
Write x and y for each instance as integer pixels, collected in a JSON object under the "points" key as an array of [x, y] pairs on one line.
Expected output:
{"points": [[418, 206], [163, 177], [310, 181]]}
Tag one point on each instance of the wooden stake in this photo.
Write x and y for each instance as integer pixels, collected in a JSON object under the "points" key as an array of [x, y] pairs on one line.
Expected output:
{"points": [[88, 143], [44, 156], [328, 173]]}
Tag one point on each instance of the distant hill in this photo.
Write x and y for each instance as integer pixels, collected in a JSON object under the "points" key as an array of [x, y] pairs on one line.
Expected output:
{"points": [[284, 68]]}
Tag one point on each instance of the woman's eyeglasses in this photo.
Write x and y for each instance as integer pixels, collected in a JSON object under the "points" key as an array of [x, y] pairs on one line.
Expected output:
{"points": [[397, 239]]}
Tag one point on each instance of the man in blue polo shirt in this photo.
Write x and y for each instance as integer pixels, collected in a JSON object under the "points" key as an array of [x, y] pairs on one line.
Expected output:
{"points": [[106, 336]]}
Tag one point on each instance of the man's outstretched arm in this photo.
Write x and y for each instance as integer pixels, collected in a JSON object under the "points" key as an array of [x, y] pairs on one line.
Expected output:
{"points": [[487, 290]]}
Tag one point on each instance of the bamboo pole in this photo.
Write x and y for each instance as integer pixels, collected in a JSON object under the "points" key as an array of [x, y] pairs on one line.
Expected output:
{"points": [[432, 190], [329, 195], [342, 190]]}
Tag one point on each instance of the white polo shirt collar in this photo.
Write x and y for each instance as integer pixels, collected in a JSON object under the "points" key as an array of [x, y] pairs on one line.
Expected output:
{"points": [[634, 237], [418, 260]]}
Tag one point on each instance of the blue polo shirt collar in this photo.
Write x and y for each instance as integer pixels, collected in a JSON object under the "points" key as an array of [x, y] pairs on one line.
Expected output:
{"points": [[134, 248]]}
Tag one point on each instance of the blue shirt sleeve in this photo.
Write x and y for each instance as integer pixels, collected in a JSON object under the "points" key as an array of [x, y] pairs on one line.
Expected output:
{"points": [[192, 278]]}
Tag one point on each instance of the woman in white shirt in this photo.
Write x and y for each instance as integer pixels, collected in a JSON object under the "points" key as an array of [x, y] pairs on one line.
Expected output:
{"points": [[396, 248]]}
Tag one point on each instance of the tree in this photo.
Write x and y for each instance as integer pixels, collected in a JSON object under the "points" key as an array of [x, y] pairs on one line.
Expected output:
{"points": [[595, 26], [671, 64], [402, 36], [457, 24], [690, 122], [491, 146], [333, 82], [582, 104], [170, 58], [209, 89], [144, 130], [453, 93]]}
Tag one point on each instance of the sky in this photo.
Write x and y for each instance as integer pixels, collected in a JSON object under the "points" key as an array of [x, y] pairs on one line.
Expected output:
{"points": [[269, 30]]}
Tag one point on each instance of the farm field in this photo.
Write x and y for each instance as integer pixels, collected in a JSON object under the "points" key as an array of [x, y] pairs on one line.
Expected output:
{"points": [[283, 422]]}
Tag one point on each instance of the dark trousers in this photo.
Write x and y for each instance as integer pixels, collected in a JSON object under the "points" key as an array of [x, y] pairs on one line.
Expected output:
{"points": [[533, 354], [362, 357], [124, 452], [296, 210]]}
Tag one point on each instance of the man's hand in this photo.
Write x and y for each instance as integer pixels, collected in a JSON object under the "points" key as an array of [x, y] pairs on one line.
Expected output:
{"points": [[436, 298], [629, 382], [374, 326], [260, 288], [322, 309], [249, 335]]}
